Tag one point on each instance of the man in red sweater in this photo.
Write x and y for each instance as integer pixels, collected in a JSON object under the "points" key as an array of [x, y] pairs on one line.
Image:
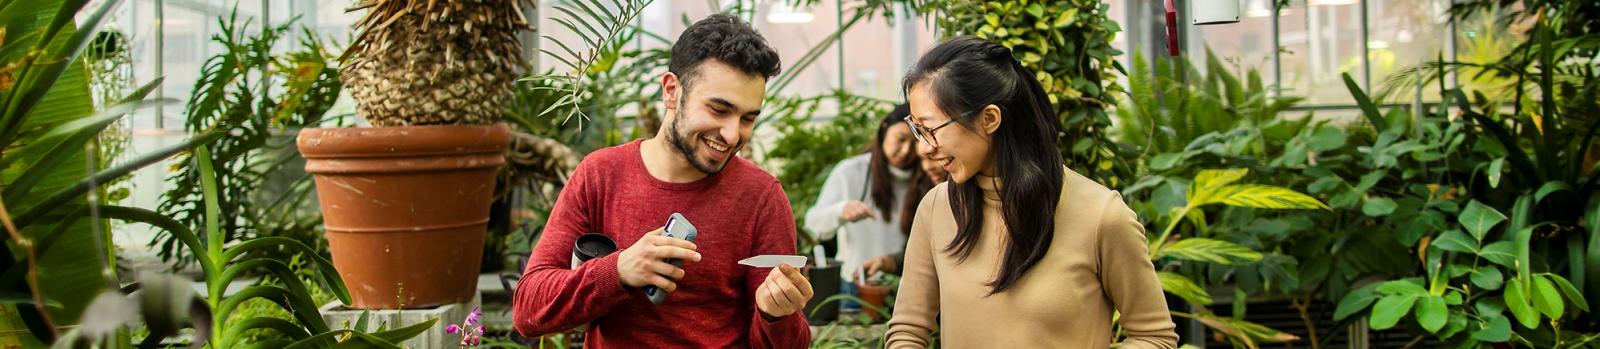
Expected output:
{"points": [[712, 92]]}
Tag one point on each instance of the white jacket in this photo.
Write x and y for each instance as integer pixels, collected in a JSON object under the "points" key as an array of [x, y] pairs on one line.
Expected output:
{"points": [[864, 239]]}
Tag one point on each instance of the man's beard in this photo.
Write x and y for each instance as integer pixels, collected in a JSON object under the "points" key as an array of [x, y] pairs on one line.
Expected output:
{"points": [[677, 138]]}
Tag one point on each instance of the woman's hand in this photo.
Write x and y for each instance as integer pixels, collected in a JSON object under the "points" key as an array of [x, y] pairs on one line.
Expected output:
{"points": [[876, 264], [856, 211]]}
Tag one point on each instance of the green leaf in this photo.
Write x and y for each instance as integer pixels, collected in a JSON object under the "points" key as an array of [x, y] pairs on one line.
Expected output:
{"points": [[405, 333], [1368, 110], [1455, 241], [1500, 252], [1378, 206], [1181, 286], [1327, 138], [1478, 218], [1497, 329], [1431, 313], [1488, 277], [1036, 10], [1570, 292], [1262, 196], [1210, 250], [1355, 302], [1369, 180], [1324, 184], [1402, 288], [1455, 325], [1517, 303], [1548, 188], [1389, 310], [1546, 299], [1066, 18], [1212, 179], [1496, 168], [1165, 161]]}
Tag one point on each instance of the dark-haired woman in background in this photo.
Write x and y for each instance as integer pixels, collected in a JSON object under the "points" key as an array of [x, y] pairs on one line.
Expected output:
{"points": [[858, 201], [921, 183], [1015, 250]]}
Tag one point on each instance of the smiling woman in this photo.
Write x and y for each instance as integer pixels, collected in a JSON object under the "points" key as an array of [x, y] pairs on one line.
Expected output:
{"points": [[1010, 203]]}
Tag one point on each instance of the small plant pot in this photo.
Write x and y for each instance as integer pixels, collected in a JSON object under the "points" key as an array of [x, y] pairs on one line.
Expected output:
{"points": [[824, 284], [405, 208], [873, 295]]}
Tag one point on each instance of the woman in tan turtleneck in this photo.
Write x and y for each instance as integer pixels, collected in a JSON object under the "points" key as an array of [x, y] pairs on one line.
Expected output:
{"points": [[1014, 251]]}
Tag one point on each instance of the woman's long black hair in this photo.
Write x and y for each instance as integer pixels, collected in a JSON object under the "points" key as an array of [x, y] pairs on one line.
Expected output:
{"points": [[965, 75], [881, 181]]}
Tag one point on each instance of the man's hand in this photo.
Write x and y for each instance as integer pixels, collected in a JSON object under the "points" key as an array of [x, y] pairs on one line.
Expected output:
{"points": [[785, 292], [855, 211], [879, 263], [644, 263]]}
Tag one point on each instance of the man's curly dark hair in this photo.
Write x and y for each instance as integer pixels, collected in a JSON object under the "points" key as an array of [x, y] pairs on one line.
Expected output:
{"points": [[725, 38]]}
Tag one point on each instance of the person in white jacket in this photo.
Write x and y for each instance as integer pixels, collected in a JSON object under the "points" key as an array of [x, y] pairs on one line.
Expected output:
{"points": [[859, 202]]}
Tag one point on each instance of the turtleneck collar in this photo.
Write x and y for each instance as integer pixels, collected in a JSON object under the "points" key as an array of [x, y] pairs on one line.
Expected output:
{"points": [[899, 174], [991, 187]]}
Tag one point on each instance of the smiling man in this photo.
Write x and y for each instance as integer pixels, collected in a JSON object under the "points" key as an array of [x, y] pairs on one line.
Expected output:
{"points": [[712, 92]]}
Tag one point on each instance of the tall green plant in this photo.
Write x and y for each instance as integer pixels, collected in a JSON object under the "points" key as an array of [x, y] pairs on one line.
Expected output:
{"points": [[1167, 250], [48, 267], [252, 94], [221, 265], [1540, 270]]}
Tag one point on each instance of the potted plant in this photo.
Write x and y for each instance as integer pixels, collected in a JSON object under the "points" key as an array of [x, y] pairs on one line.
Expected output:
{"points": [[406, 202]]}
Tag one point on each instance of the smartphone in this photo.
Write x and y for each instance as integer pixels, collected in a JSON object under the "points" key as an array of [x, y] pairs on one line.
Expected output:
{"points": [[678, 228]]}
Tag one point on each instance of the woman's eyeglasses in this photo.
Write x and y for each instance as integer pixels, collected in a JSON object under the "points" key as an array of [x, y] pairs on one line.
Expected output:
{"points": [[925, 134]]}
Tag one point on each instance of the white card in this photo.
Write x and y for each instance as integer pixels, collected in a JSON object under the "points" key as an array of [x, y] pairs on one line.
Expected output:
{"points": [[773, 260]]}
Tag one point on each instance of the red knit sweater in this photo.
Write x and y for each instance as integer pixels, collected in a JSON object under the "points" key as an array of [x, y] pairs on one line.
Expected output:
{"points": [[740, 212]]}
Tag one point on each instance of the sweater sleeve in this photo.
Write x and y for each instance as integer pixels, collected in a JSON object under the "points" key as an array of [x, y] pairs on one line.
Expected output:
{"points": [[822, 220], [1130, 279], [774, 234], [916, 304], [552, 297]]}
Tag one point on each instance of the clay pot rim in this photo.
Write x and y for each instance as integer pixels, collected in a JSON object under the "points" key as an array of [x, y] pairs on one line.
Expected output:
{"points": [[402, 141]]}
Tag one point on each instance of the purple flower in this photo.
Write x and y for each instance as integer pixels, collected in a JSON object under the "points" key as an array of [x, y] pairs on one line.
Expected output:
{"points": [[472, 318], [452, 329]]}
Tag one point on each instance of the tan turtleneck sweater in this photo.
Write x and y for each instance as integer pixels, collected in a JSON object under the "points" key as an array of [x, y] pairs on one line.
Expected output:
{"points": [[1097, 264]]}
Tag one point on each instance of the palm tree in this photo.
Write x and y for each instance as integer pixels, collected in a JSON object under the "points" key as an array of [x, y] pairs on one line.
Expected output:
{"points": [[432, 62]]}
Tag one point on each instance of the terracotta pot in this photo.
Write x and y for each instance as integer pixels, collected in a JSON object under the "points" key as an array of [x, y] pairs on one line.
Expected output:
{"points": [[405, 208], [874, 295]]}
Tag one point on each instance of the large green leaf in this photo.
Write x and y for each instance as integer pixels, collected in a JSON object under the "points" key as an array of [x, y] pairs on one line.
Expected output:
{"points": [[1378, 206], [405, 333], [1262, 196], [1389, 309], [1431, 313], [1368, 109], [1500, 252], [1455, 241], [1570, 292], [1488, 277], [1518, 303], [1356, 301], [1546, 299], [1207, 182], [1478, 218], [1181, 286], [1210, 250], [1493, 329], [70, 271], [1407, 287]]}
